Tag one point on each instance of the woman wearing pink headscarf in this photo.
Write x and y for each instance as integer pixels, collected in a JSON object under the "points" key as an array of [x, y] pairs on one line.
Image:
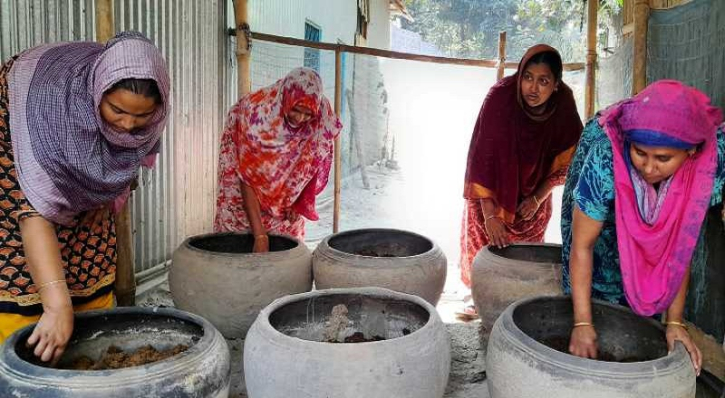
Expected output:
{"points": [[644, 175]]}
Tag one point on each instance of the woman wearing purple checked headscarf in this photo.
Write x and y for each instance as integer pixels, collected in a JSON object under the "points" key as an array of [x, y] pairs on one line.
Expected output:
{"points": [[77, 120]]}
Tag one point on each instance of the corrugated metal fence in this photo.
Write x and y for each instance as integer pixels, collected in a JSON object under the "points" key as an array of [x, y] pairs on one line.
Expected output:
{"points": [[177, 198]]}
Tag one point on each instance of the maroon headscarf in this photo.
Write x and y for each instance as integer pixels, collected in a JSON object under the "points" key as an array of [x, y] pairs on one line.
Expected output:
{"points": [[512, 150]]}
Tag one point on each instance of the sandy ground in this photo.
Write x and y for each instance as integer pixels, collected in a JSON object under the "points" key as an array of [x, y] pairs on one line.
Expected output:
{"points": [[468, 370]]}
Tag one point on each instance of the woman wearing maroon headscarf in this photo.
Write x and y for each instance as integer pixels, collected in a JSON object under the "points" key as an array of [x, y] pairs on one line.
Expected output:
{"points": [[523, 142]]}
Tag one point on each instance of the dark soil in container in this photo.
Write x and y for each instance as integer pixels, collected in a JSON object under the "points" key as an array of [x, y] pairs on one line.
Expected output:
{"points": [[561, 344], [116, 358], [358, 337]]}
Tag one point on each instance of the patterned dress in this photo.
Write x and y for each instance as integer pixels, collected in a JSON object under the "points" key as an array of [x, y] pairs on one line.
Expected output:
{"points": [[287, 167], [89, 256], [474, 235], [590, 185], [230, 215]]}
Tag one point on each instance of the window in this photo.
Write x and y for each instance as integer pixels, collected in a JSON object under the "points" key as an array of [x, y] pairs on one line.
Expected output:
{"points": [[363, 18], [312, 55]]}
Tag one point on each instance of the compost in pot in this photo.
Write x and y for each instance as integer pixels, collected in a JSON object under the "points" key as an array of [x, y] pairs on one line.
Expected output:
{"points": [[116, 358]]}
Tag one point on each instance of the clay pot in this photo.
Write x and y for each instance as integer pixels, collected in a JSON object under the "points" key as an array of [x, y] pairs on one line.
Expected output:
{"points": [[286, 353], [503, 276], [200, 371], [389, 258], [218, 277], [521, 362]]}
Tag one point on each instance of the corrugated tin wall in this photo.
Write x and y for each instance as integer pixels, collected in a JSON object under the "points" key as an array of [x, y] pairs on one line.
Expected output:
{"points": [[26, 23], [176, 199]]}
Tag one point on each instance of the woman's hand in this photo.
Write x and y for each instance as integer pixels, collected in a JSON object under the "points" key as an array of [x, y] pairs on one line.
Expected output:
{"points": [[583, 342], [261, 243], [44, 261], [528, 207], [496, 230], [51, 334], [679, 333]]}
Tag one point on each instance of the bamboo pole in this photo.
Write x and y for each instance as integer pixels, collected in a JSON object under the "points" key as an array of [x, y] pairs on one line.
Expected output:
{"points": [[104, 20], [241, 19], [338, 144], [485, 63], [125, 284], [641, 15], [592, 22], [501, 55]]}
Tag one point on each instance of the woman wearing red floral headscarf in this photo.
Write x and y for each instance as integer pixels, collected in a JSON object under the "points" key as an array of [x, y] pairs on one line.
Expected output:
{"points": [[276, 153]]}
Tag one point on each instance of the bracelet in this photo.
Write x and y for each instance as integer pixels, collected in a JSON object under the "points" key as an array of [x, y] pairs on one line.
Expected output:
{"points": [[576, 325], [51, 283], [680, 324], [261, 236], [489, 217]]}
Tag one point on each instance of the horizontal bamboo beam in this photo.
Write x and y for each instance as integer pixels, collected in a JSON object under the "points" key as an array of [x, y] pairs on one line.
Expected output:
{"points": [[485, 63]]}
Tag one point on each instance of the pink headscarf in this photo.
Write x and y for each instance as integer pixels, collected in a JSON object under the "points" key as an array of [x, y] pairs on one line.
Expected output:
{"points": [[655, 256]]}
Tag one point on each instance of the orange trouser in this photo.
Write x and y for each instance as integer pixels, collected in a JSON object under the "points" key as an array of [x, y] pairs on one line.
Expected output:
{"points": [[9, 323]]}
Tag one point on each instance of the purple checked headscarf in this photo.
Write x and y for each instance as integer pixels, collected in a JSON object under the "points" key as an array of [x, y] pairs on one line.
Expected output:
{"points": [[67, 158]]}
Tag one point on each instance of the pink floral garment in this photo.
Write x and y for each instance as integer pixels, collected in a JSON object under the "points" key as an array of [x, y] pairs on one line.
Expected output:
{"points": [[287, 167]]}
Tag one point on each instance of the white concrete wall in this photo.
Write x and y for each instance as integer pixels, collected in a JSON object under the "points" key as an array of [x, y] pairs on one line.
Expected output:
{"points": [[379, 25], [337, 19]]}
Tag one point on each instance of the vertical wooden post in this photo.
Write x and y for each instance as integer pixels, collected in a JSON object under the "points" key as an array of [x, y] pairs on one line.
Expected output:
{"points": [[104, 20], [241, 20], [641, 17], [125, 285], [592, 8], [501, 55], [338, 146]]}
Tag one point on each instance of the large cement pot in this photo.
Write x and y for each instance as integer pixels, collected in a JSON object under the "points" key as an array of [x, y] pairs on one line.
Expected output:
{"points": [[218, 277], [503, 276], [286, 353], [200, 371], [521, 362], [388, 258]]}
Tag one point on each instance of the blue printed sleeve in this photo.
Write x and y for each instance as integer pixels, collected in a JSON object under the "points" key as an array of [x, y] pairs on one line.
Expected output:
{"points": [[594, 191]]}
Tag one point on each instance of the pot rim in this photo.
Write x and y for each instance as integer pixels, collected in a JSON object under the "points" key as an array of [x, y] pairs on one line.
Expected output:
{"points": [[635, 370], [487, 249], [281, 338], [186, 244], [325, 246], [13, 366]]}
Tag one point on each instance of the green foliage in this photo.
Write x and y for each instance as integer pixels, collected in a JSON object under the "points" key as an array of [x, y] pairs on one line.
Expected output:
{"points": [[469, 28]]}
